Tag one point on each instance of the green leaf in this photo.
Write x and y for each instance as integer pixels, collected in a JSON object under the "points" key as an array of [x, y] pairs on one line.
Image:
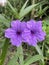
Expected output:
{"points": [[4, 21], [20, 52], [40, 53], [2, 42], [39, 50], [42, 11], [46, 21], [27, 10], [4, 51], [22, 9], [13, 10], [13, 61], [33, 59]]}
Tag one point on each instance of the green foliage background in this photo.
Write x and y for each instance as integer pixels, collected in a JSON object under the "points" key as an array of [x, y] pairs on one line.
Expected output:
{"points": [[13, 11]]}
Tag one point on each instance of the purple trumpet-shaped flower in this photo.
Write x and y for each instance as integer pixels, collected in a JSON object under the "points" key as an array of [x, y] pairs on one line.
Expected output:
{"points": [[34, 33], [30, 32], [15, 32]]}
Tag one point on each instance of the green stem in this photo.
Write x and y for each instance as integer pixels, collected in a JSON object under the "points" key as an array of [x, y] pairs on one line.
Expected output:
{"points": [[20, 52], [38, 50], [43, 49], [4, 51], [40, 53], [33, 10]]}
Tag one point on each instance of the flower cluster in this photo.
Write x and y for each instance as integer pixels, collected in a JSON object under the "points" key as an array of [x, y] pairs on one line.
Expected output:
{"points": [[30, 32]]}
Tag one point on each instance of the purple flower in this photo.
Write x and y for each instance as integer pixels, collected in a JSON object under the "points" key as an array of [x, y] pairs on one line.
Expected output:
{"points": [[15, 32], [34, 33], [30, 32]]}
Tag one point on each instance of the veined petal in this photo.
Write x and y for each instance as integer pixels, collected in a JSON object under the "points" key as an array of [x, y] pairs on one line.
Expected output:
{"points": [[31, 24], [16, 41], [32, 41], [41, 36], [23, 26], [39, 26], [9, 33], [25, 34], [16, 24]]}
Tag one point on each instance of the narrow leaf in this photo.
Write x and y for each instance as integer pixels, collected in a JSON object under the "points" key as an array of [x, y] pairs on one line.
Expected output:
{"points": [[20, 52], [4, 21], [13, 10], [33, 59], [13, 61], [27, 10], [24, 6], [4, 51]]}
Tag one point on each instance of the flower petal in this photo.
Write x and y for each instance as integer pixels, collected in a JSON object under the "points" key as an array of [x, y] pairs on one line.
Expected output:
{"points": [[39, 26], [32, 41], [16, 24], [41, 36], [25, 34], [31, 24], [23, 26], [9, 33], [16, 41]]}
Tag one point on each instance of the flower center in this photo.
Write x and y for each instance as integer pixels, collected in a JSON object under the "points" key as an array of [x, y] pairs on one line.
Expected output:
{"points": [[18, 33], [32, 32]]}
